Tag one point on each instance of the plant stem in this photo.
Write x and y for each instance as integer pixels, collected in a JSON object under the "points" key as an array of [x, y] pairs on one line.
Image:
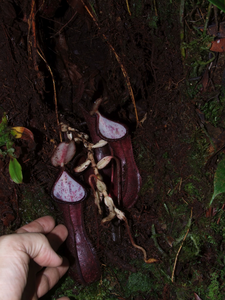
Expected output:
{"points": [[207, 18]]}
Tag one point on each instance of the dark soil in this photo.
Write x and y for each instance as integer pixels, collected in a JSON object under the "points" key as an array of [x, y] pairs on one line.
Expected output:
{"points": [[85, 68]]}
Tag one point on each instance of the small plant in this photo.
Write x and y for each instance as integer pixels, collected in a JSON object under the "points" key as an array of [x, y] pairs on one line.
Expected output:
{"points": [[7, 136]]}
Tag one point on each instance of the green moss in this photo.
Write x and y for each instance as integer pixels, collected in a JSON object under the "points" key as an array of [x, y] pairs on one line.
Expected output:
{"points": [[153, 21], [137, 7], [199, 150], [191, 190], [35, 203], [100, 291], [65, 287], [138, 282], [145, 161], [213, 110], [214, 287], [115, 283], [148, 185]]}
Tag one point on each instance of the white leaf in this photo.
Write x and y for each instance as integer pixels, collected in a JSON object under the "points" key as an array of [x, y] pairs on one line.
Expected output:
{"points": [[85, 136], [63, 154], [83, 166], [120, 215], [100, 144], [101, 186], [77, 140], [71, 150], [97, 202], [64, 127], [104, 162], [69, 135], [109, 203]]}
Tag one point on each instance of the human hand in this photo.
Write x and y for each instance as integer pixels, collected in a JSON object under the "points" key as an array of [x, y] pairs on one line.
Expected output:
{"points": [[24, 255]]}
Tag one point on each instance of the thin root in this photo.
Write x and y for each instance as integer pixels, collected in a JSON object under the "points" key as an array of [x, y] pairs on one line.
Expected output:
{"points": [[132, 241], [120, 63], [55, 97]]}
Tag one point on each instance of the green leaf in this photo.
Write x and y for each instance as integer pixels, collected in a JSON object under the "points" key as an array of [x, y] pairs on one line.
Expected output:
{"points": [[4, 121], [219, 180], [15, 170], [219, 3]]}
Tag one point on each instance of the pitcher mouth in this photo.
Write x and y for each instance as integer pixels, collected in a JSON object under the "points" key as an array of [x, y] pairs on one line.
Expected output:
{"points": [[110, 130], [67, 190]]}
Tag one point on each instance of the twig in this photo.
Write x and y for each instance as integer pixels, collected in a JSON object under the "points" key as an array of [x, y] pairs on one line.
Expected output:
{"points": [[155, 8], [175, 263], [207, 18], [32, 38], [58, 32], [128, 8], [30, 24], [120, 63], [54, 90]]}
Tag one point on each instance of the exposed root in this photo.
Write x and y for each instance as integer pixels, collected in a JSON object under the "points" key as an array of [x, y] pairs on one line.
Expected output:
{"points": [[55, 96], [120, 63]]}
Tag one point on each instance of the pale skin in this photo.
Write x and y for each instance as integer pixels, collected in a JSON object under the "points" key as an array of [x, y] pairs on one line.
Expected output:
{"points": [[29, 265]]}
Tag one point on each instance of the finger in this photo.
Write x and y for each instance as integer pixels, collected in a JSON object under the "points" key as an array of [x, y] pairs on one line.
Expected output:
{"points": [[43, 225], [47, 278], [57, 236], [37, 247]]}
